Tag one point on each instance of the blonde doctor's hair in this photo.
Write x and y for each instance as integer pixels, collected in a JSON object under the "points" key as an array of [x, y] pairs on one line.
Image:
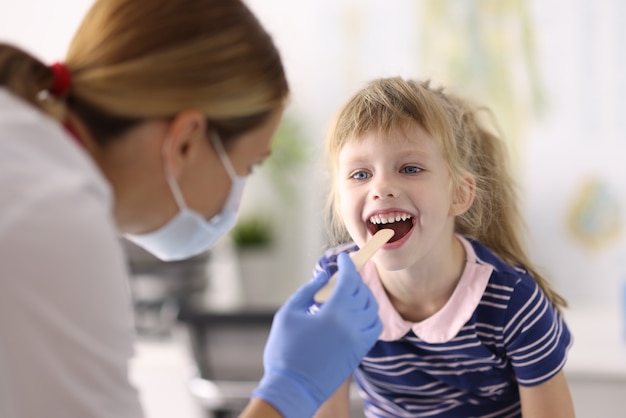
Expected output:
{"points": [[470, 147], [132, 60]]}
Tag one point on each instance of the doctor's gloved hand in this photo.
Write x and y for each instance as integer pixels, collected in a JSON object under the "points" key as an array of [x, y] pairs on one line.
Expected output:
{"points": [[307, 357]]}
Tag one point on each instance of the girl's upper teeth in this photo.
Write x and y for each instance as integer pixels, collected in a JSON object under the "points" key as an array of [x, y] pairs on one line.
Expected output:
{"points": [[389, 218]]}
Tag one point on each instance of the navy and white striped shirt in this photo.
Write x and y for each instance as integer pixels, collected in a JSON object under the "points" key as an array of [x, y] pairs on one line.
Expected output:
{"points": [[497, 331]]}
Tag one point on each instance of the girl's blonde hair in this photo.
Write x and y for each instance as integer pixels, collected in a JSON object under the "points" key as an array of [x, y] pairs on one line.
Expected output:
{"points": [[469, 147], [132, 60]]}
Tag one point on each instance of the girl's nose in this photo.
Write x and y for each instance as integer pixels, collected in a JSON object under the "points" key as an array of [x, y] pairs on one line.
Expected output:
{"points": [[383, 188]]}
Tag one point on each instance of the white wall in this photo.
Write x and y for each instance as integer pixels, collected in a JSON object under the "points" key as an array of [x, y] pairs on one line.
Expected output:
{"points": [[581, 138], [42, 27], [331, 47]]}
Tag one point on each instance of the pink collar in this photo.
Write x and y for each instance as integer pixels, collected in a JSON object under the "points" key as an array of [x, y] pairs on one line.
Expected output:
{"points": [[446, 323]]}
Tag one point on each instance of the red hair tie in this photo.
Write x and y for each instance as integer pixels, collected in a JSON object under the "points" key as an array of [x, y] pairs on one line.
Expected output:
{"points": [[62, 79]]}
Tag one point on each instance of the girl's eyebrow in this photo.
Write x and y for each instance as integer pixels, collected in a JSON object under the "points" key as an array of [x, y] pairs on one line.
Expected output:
{"points": [[353, 164], [416, 153]]}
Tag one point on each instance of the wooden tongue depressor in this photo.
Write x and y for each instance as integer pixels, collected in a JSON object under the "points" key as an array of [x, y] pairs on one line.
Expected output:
{"points": [[359, 258]]}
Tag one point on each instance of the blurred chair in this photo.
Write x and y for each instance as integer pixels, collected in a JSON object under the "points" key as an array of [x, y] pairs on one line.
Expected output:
{"points": [[161, 289], [228, 348]]}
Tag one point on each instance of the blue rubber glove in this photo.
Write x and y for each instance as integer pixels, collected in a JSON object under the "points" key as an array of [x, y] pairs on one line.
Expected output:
{"points": [[307, 357]]}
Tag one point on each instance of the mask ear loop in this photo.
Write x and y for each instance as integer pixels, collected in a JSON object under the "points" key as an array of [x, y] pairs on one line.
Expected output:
{"points": [[178, 195], [219, 147]]}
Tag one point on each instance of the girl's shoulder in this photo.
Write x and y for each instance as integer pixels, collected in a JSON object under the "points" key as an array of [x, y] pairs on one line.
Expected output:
{"points": [[509, 286], [510, 290], [502, 271]]}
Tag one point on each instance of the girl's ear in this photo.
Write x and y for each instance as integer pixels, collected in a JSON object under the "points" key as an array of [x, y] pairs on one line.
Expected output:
{"points": [[463, 196]]}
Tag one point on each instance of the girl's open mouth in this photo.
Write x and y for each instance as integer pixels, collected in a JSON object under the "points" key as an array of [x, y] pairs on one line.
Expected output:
{"points": [[400, 222]]}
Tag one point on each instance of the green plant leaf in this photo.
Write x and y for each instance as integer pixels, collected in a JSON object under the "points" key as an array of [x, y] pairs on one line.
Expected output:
{"points": [[253, 231]]}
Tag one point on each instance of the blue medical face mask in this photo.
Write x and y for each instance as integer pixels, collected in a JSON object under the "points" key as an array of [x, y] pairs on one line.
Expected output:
{"points": [[188, 233]]}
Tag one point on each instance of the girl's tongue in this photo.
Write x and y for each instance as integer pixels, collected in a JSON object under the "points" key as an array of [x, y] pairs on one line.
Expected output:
{"points": [[401, 228]]}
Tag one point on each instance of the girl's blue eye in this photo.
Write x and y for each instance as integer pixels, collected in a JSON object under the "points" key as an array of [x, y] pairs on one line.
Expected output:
{"points": [[360, 175], [411, 169]]}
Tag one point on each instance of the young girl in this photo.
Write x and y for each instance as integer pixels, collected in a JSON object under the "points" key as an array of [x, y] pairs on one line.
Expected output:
{"points": [[470, 328]]}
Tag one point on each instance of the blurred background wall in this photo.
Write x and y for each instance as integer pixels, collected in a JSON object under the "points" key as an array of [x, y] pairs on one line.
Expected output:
{"points": [[552, 70]]}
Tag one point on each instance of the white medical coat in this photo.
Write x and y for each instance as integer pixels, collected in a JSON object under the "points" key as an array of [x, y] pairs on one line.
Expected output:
{"points": [[66, 325]]}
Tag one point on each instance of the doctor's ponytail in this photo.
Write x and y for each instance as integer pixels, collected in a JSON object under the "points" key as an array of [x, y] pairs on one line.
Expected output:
{"points": [[30, 79]]}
